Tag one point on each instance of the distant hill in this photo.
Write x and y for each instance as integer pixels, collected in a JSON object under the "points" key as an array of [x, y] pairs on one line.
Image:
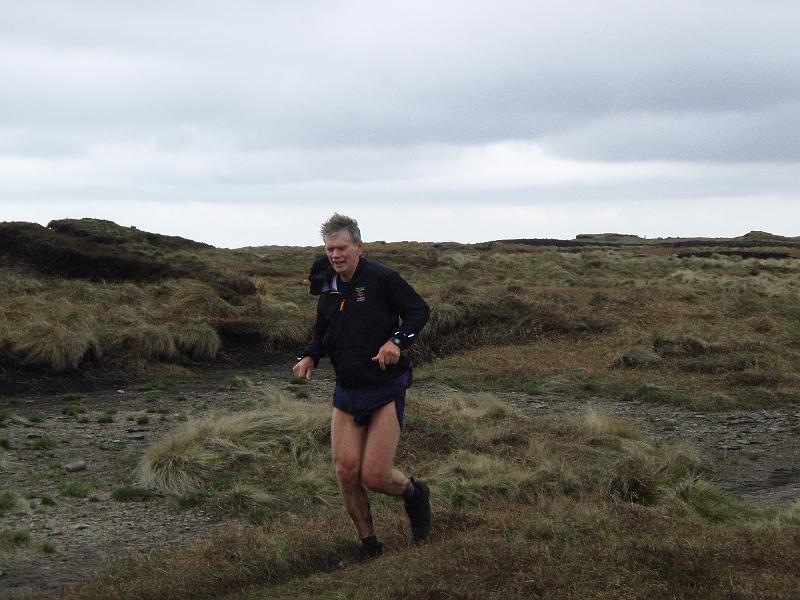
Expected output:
{"points": [[585, 240], [108, 232], [54, 252]]}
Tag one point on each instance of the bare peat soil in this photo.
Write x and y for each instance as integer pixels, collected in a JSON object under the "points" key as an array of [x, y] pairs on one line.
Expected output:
{"points": [[753, 455]]}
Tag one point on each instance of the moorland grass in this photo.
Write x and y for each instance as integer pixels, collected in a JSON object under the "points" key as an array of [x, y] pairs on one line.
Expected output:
{"points": [[700, 321], [9, 502], [524, 508], [13, 538], [75, 489], [129, 493]]}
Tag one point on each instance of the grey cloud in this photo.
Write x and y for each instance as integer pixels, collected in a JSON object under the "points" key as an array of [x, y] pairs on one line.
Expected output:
{"points": [[315, 74], [764, 135]]}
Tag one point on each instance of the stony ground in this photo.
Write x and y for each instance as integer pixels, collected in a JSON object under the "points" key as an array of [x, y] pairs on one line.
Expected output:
{"points": [[753, 455]]}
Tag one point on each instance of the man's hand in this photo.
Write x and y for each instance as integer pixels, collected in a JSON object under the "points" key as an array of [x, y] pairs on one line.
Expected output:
{"points": [[304, 368], [389, 354]]}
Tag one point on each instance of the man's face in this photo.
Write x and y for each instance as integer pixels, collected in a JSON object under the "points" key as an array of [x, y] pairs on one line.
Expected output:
{"points": [[343, 253]]}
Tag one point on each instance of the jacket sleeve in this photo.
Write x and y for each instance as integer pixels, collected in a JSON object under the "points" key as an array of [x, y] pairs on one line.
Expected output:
{"points": [[413, 310], [315, 349]]}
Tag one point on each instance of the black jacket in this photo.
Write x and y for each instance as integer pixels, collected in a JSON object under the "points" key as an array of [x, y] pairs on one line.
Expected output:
{"points": [[351, 328]]}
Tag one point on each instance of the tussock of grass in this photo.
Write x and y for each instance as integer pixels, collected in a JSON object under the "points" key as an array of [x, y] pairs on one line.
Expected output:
{"points": [[259, 445], [598, 424], [196, 299], [9, 502], [199, 342], [55, 346], [155, 342]]}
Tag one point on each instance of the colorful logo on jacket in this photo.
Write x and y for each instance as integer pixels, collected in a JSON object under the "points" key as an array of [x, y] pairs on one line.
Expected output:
{"points": [[360, 297]]}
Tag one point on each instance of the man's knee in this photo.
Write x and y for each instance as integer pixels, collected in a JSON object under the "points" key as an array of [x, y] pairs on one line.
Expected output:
{"points": [[348, 472], [374, 481]]}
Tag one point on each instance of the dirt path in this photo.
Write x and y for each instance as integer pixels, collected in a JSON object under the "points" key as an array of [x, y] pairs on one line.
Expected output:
{"points": [[755, 456]]}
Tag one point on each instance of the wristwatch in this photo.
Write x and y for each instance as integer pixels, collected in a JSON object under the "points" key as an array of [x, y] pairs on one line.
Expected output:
{"points": [[402, 340]]}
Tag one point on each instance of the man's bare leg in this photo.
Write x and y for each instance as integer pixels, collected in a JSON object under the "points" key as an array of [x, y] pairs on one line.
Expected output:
{"points": [[377, 469], [374, 468], [379, 473], [347, 443]]}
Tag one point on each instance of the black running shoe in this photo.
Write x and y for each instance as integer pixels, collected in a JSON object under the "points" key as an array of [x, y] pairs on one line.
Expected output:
{"points": [[363, 553], [418, 509]]}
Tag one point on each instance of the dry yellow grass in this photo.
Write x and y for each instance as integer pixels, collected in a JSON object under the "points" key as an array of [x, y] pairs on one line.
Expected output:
{"points": [[280, 435]]}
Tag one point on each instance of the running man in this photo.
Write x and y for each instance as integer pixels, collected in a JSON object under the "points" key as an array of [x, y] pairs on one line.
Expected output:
{"points": [[367, 315]]}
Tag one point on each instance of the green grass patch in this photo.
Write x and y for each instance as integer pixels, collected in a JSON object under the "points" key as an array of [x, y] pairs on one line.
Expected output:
{"points": [[651, 392], [45, 499], [9, 502], [237, 381], [74, 489], [534, 388], [298, 391], [74, 397], [14, 538], [72, 409], [47, 548], [44, 443], [108, 416], [191, 500], [160, 384], [591, 387], [130, 494]]}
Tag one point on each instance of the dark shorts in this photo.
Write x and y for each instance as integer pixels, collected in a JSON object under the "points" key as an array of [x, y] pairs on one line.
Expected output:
{"points": [[362, 402]]}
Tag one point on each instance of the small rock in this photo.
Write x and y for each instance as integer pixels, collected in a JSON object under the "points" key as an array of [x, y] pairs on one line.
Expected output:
{"points": [[33, 436], [136, 436], [74, 467], [120, 391], [778, 429], [21, 421], [35, 502], [80, 526]]}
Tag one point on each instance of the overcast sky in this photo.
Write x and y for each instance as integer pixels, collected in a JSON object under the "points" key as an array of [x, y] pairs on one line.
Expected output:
{"points": [[247, 123]]}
